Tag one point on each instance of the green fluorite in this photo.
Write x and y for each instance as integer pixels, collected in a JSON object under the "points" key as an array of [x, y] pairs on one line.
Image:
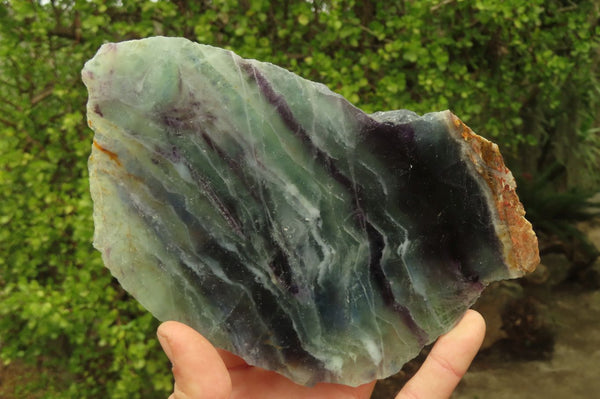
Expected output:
{"points": [[285, 224]]}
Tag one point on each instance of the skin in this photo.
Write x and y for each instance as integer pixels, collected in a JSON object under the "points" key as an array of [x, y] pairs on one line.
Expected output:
{"points": [[201, 371]]}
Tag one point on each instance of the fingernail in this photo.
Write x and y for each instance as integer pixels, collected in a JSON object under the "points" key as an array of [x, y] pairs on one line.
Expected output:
{"points": [[164, 342]]}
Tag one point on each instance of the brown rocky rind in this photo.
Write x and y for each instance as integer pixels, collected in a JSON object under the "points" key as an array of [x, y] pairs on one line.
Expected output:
{"points": [[520, 244]]}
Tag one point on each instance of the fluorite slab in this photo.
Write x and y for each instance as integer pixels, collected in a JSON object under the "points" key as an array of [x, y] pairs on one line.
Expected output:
{"points": [[282, 222]]}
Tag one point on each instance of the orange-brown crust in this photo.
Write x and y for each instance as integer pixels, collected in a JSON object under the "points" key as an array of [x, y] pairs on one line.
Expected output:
{"points": [[113, 156], [515, 232]]}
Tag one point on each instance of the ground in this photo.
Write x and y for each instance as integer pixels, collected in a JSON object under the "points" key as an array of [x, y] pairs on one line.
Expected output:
{"points": [[571, 372]]}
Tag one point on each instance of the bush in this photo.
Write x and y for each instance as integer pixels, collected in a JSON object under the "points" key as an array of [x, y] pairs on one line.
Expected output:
{"points": [[524, 73]]}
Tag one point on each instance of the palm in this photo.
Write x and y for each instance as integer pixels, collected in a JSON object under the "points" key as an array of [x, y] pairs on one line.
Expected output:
{"points": [[250, 382]]}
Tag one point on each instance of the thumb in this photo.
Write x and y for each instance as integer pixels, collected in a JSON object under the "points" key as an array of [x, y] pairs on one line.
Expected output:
{"points": [[448, 360], [198, 369]]}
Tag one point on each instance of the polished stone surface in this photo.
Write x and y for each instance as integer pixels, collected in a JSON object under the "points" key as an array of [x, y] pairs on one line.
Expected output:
{"points": [[282, 222]]}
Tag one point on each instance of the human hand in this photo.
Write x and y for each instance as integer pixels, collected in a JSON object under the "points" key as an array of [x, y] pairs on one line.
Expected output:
{"points": [[203, 372]]}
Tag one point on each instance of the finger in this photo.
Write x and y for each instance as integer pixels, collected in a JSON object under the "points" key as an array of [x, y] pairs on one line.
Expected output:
{"points": [[197, 367], [232, 361], [448, 360]]}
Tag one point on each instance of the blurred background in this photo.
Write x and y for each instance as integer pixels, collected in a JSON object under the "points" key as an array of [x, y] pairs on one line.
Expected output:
{"points": [[523, 74]]}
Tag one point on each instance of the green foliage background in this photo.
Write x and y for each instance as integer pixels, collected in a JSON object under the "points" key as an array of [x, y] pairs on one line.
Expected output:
{"points": [[522, 73]]}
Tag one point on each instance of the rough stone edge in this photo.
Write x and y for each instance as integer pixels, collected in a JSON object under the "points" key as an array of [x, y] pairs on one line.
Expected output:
{"points": [[519, 242]]}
